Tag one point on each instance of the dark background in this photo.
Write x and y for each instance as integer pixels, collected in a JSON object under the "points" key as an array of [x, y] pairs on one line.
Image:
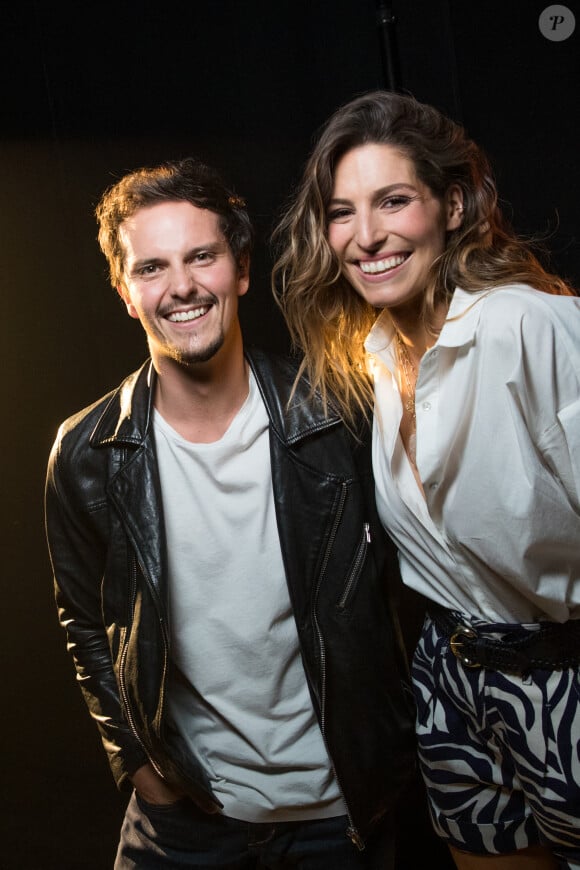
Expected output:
{"points": [[90, 90]]}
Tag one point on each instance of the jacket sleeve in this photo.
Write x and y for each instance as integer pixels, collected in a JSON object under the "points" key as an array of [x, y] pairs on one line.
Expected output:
{"points": [[78, 551]]}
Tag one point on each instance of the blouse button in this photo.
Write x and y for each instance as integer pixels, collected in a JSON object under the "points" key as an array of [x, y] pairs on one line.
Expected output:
{"points": [[426, 406]]}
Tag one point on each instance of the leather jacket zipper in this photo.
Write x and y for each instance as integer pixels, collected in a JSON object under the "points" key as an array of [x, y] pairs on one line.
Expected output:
{"points": [[356, 568], [122, 684], [351, 831]]}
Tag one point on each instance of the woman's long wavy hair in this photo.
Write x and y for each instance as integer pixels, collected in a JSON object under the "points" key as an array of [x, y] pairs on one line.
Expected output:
{"points": [[327, 319]]}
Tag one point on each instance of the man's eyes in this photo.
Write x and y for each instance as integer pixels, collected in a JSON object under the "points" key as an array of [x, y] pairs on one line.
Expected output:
{"points": [[200, 258], [203, 257], [146, 271]]}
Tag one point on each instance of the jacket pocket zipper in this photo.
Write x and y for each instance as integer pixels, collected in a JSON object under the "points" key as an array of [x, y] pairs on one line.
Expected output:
{"points": [[122, 684], [351, 831], [356, 567]]}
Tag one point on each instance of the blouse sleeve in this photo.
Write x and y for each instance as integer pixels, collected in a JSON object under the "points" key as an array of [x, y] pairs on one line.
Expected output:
{"points": [[551, 337]]}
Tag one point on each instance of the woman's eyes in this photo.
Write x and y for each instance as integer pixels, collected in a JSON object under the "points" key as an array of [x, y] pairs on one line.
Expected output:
{"points": [[395, 202], [389, 203], [338, 214]]}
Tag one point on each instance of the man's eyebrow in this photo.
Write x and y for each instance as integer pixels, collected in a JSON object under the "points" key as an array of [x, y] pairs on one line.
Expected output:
{"points": [[378, 194], [215, 245]]}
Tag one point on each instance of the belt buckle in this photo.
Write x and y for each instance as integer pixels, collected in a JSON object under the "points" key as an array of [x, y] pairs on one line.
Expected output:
{"points": [[456, 643]]}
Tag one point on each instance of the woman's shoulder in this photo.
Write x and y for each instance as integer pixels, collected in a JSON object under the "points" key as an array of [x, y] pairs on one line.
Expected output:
{"points": [[519, 302], [517, 320]]}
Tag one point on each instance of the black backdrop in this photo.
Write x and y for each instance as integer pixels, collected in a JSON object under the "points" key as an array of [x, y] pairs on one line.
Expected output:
{"points": [[90, 90]]}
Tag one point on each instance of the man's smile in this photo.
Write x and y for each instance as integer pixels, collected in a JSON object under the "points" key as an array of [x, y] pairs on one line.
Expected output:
{"points": [[191, 314]]}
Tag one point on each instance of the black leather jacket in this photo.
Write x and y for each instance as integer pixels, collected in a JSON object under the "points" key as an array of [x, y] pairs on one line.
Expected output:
{"points": [[105, 531]]}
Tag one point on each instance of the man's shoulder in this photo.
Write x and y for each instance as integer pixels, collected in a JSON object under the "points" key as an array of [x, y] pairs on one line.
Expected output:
{"points": [[86, 416], [284, 365], [296, 410], [284, 390], [76, 431]]}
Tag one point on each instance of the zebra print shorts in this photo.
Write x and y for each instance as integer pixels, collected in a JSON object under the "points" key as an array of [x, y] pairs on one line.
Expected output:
{"points": [[500, 754]]}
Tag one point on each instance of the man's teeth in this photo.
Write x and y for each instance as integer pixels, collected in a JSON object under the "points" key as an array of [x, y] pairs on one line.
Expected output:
{"points": [[381, 265], [181, 316]]}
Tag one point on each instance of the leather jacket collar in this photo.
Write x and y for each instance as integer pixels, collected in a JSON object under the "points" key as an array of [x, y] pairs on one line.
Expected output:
{"points": [[127, 417]]}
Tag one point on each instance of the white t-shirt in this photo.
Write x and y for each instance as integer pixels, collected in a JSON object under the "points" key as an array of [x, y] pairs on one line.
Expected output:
{"points": [[497, 534], [238, 694]]}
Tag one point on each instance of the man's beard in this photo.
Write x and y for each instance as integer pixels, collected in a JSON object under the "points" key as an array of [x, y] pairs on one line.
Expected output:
{"points": [[195, 356]]}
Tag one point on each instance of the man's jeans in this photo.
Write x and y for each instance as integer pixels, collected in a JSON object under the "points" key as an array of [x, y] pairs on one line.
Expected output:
{"points": [[181, 835]]}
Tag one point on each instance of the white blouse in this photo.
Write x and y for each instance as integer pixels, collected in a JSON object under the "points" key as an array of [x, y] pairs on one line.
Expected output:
{"points": [[497, 533]]}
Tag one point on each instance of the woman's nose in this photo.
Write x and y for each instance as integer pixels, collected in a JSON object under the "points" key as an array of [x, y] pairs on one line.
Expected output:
{"points": [[370, 232]]}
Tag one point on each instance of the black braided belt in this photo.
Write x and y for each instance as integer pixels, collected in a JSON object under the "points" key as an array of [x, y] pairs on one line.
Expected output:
{"points": [[554, 646]]}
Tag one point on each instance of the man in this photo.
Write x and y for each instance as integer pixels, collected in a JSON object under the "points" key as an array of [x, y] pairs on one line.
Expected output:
{"points": [[219, 569]]}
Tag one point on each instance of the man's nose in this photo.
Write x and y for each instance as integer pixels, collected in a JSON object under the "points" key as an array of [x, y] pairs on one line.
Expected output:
{"points": [[182, 281]]}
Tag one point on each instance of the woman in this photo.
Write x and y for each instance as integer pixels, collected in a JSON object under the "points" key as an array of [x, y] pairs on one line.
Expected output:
{"points": [[475, 361]]}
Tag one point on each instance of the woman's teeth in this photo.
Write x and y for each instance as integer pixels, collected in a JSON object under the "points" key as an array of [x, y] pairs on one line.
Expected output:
{"points": [[371, 268]]}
